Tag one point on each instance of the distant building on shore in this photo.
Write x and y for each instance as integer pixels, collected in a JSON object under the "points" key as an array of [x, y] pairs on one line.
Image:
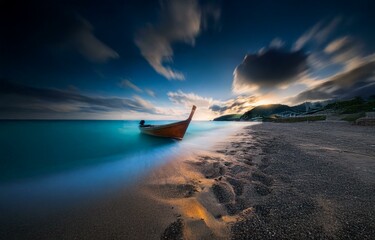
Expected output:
{"points": [[286, 114]]}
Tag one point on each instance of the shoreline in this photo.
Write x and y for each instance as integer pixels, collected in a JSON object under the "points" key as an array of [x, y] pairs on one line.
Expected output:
{"points": [[315, 181], [267, 181]]}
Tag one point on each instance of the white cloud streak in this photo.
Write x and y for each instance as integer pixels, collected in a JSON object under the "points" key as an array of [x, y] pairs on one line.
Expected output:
{"points": [[128, 84], [189, 99], [336, 44], [358, 81], [150, 92], [318, 34], [180, 21]]}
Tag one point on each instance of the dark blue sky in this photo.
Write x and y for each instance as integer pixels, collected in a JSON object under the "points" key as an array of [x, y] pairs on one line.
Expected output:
{"points": [[153, 59]]}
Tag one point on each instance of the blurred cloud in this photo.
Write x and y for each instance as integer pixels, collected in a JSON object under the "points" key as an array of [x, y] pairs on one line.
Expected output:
{"points": [[239, 104], [277, 73], [359, 81], [268, 70], [318, 34], [36, 26], [90, 46], [337, 44], [128, 84], [25, 100], [180, 21], [189, 99], [150, 92], [184, 101], [344, 50], [209, 108], [277, 43]]}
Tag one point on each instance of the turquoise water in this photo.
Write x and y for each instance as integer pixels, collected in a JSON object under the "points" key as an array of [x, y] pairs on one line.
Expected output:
{"points": [[54, 163], [32, 148]]}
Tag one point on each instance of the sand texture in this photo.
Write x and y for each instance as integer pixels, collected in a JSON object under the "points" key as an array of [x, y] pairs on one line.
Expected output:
{"points": [[269, 181]]}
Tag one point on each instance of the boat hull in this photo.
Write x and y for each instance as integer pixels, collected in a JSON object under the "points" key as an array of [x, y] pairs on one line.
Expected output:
{"points": [[174, 130]]}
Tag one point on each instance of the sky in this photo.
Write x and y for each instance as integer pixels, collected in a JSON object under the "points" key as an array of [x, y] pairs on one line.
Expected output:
{"points": [[155, 59]]}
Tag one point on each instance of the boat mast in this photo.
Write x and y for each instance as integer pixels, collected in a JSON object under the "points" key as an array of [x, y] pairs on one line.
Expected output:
{"points": [[192, 112]]}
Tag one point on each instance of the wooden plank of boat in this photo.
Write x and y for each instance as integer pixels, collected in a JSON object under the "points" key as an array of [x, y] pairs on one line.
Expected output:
{"points": [[173, 130]]}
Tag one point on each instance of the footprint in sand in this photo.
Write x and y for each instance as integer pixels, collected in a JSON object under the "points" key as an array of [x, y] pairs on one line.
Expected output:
{"points": [[236, 169], [174, 190], [262, 189], [223, 192], [261, 177], [174, 231], [211, 169], [237, 207], [237, 185]]}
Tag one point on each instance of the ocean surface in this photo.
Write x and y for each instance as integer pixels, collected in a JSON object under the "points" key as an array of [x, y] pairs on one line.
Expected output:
{"points": [[48, 165]]}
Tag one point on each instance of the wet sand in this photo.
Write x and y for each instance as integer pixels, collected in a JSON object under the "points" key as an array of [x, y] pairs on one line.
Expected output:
{"points": [[269, 181]]}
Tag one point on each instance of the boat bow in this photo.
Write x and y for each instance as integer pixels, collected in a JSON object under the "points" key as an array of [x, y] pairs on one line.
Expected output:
{"points": [[175, 130]]}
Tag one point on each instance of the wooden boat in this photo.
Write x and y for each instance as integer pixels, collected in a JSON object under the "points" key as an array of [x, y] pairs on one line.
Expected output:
{"points": [[173, 130]]}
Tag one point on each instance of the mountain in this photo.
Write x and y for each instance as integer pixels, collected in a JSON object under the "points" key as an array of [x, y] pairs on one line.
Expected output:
{"points": [[229, 117], [346, 109], [265, 111], [354, 105]]}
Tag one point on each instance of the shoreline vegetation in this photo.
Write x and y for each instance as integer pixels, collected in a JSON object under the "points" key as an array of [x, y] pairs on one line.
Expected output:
{"points": [[343, 110], [268, 181]]}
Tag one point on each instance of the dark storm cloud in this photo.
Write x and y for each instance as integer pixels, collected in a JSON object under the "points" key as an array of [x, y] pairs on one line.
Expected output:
{"points": [[359, 81], [270, 68], [25, 99], [30, 27]]}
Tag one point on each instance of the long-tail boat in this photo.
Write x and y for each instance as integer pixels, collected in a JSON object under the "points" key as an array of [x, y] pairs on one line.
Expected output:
{"points": [[173, 130]]}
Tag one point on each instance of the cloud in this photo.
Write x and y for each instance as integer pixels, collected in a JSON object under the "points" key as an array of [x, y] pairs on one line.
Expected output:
{"points": [[48, 27], [318, 60], [282, 73], [180, 21], [337, 44], [150, 92], [184, 101], [359, 81], [128, 84], [209, 108], [189, 99], [239, 104], [25, 100], [90, 46], [344, 50], [277, 43], [318, 33], [211, 14], [269, 69]]}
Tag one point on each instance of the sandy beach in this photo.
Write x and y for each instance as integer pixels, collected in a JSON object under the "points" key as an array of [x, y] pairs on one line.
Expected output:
{"points": [[187, 120], [268, 181]]}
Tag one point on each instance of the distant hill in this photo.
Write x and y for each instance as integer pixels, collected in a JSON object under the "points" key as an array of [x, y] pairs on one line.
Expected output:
{"points": [[229, 117], [355, 105], [347, 110], [265, 111], [299, 108]]}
